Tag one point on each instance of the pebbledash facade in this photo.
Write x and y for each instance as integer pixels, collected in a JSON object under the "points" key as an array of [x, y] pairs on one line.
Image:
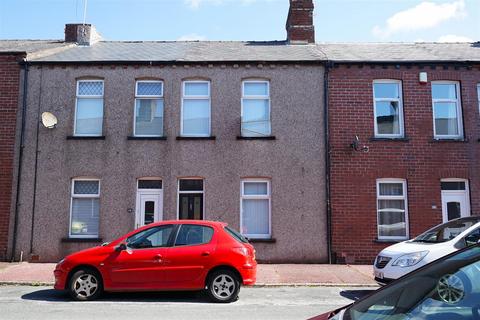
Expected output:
{"points": [[416, 112], [229, 131]]}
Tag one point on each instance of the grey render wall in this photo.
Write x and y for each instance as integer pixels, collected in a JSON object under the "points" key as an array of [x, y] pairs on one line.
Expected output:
{"points": [[294, 161]]}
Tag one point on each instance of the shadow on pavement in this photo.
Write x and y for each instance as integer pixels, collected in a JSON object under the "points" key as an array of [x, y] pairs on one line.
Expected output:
{"points": [[355, 294], [52, 295]]}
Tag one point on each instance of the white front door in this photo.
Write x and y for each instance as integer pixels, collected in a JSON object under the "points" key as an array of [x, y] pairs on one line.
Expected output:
{"points": [[149, 202], [455, 200]]}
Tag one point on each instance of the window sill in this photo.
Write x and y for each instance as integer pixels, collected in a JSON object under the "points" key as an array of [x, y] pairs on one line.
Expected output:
{"points": [[256, 138], [440, 140], [196, 138], [270, 240], [146, 138], [388, 240], [401, 139], [80, 240], [85, 137]]}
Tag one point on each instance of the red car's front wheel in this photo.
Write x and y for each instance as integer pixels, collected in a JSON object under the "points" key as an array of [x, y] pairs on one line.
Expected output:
{"points": [[85, 284]]}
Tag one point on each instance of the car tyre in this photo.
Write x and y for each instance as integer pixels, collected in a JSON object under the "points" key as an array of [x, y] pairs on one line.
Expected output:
{"points": [[85, 285], [223, 286]]}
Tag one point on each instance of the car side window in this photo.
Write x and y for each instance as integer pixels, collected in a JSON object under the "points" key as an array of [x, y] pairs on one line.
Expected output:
{"points": [[472, 238], [150, 238], [189, 235]]}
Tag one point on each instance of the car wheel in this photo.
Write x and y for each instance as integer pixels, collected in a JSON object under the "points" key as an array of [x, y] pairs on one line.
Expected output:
{"points": [[451, 288], [85, 285], [223, 286]]}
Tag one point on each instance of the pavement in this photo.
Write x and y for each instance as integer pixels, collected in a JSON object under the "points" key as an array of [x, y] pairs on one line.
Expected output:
{"points": [[267, 274]]}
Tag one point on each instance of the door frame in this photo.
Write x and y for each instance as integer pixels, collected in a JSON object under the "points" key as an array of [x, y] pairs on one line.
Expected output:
{"points": [[152, 192], [466, 192], [202, 192]]}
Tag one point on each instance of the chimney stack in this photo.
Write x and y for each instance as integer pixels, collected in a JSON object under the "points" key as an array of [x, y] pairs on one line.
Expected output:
{"points": [[300, 29], [82, 34]]}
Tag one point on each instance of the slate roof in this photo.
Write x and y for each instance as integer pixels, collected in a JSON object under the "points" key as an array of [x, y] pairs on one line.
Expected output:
{"points": [[57, 51], [186, 51], [401, 52]]}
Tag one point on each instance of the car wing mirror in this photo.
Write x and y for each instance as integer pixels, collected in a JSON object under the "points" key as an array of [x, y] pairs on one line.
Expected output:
{"points": [[122, 246]]}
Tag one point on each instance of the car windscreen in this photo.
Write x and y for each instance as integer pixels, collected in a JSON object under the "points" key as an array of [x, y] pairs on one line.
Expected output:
{"points": [[446, 231], [236, 235], [446, 289]]}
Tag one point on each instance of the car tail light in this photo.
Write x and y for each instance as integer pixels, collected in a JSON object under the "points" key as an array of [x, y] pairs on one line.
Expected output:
{"points": [[242, 250]]}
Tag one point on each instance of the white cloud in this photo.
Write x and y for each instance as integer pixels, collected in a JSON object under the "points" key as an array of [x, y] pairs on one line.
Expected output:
{"points": [[454, 38], [192, 37], [425, 15], [195, 4]]}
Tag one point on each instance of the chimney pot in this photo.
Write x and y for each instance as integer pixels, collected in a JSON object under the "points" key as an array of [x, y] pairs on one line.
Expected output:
{"points": [[300, 28]]}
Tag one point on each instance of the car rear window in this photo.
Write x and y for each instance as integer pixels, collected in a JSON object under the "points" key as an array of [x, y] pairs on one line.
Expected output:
{"points": [[236, 235], [190, 234]]}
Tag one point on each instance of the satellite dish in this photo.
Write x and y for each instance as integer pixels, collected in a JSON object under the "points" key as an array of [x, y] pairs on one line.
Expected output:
{"points": [[49, 120]]}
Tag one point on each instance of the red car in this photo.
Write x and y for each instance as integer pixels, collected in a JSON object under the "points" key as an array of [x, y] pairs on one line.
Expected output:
{"points": [[169, 255]]}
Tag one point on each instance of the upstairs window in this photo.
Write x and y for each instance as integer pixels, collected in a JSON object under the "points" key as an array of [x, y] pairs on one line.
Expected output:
{"points": [[85, 208], [148, 109], [196, 109], [89, 108], [447, 112], [388, 108], [256, 108]]}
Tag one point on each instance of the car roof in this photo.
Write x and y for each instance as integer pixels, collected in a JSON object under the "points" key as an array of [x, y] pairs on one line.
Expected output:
{"points": [[197, 222]]}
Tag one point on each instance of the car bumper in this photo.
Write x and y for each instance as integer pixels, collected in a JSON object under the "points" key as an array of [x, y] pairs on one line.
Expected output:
{"points": [[249, 274], [60, 279], [390, 273]]}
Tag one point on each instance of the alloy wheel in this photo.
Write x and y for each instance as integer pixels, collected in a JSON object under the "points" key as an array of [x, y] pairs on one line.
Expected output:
{"points": [[223, 286], [450, 289], [85, 285]]}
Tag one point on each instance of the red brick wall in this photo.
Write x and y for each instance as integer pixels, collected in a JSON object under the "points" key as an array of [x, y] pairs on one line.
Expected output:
{"points": [[420, 160], [9, 86]]}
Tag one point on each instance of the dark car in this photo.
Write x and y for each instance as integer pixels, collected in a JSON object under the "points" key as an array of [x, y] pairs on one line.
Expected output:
{"points": [[446, 289]]}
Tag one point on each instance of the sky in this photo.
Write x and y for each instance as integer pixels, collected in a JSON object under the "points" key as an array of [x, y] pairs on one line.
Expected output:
{"points": [[335, 20]]}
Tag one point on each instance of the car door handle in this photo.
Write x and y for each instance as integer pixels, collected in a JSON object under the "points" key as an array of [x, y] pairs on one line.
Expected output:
{"points": [[205, 254], [158, 258]]}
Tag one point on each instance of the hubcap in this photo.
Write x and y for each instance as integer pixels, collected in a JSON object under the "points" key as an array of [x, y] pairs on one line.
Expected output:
{"points": [[450, 288], [86, 285], [223, 286]]}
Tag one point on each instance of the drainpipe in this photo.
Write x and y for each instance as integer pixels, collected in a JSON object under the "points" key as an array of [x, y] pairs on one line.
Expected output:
{"points": [[20, 158], [34, 200], [328, 65]]}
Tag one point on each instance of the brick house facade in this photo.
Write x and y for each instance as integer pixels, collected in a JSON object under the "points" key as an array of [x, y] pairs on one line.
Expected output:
{"points": [[9, 94], [417, 158]]}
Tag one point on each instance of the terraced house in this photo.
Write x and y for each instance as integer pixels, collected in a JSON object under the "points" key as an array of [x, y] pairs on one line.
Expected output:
{"points": [[148, 131]]}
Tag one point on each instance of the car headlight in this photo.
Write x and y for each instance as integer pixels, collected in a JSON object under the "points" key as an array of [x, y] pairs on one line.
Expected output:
{"points": [[410, 259]]}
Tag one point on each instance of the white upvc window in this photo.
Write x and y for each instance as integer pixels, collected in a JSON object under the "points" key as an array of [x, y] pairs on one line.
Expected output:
{"points": [[447, 110], [85, 208], [255, 209], [256, 108], [89, 108], [148, 112], [388, 108], [392, 209], [196, 101]]}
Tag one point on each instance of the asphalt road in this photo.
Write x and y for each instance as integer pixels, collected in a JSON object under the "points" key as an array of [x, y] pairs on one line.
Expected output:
{"points": [[24, 302]]}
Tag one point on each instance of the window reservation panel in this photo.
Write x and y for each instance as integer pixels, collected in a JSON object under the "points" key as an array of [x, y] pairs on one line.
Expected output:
{"points": [[255, 209], [89, 108], [392, 209], [388, 108], [256, 108], [447, 111], [148, 109], [85, 208]]}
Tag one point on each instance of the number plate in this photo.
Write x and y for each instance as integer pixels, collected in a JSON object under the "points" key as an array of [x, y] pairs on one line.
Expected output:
{"points": [[378, 275]]}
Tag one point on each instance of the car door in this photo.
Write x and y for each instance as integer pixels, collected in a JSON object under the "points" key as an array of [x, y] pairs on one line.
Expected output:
{"points": [[142, 264], [191, 256]]}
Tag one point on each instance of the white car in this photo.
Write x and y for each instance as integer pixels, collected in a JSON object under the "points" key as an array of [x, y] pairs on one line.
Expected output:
{"points": [[404, 257]]}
